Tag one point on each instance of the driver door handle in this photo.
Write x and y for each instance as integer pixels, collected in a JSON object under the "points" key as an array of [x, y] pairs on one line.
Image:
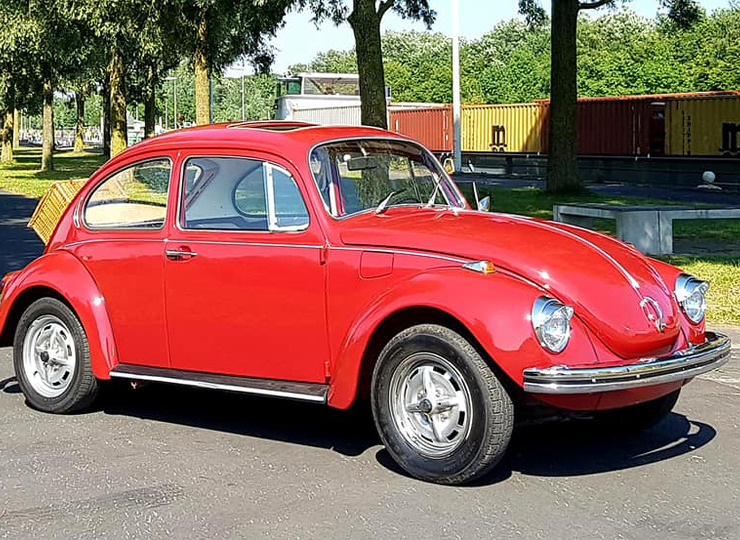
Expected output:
{"points": [[180, 254]]}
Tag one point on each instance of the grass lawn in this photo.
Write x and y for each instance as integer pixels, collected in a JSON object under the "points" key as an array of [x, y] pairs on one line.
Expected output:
{"points": [[23, 177], [722, 271]]}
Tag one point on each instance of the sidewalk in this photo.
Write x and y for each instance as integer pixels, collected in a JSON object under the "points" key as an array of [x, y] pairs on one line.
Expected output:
{"points": [[657, 192], [18, 244]]}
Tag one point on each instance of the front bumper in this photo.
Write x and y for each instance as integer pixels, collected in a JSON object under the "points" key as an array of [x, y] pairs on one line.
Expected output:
{"points": [[681, 365]]}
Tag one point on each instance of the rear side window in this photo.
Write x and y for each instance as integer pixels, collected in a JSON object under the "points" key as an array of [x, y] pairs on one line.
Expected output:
{"points": [[133, 198], [241, 194]]}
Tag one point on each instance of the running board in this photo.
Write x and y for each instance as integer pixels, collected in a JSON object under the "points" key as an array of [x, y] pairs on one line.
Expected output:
{"points": [[263, 387]]}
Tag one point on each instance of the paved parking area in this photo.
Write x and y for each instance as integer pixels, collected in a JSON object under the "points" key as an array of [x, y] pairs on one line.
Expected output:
{"points": [[165, 462]]}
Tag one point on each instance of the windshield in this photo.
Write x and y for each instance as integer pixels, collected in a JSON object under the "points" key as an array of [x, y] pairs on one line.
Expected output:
{"points": [[357, 175]]}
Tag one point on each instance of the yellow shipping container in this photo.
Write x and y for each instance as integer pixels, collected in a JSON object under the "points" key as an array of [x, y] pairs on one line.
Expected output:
{"points": [[703, 126], [502, 128], [51, 207]]}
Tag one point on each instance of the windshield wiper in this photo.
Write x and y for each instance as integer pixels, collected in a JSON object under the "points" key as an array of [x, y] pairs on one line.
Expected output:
{"points": [[437, 184], [383, 206]]}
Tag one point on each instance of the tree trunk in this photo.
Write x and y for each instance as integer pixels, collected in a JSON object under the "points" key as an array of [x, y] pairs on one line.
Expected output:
{"points": [[562, 163], [6, 136], [47, 128], [202, 84], [150, 111], [106, 117], [119, 135], [80, 127], [365, 22], [16, 129]]}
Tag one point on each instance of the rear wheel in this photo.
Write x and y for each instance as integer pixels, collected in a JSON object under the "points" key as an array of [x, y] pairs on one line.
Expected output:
{"points": [[52, 359], [440, 410]]}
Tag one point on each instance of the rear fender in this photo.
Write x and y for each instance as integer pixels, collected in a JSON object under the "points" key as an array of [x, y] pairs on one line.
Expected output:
{"points": [[62, 273]]}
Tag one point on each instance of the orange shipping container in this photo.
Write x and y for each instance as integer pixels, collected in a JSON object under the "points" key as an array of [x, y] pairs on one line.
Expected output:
{"points": [[431, 127]]}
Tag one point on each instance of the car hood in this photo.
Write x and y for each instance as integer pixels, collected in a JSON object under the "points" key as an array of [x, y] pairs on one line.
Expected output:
{"points": [[613, 288]]}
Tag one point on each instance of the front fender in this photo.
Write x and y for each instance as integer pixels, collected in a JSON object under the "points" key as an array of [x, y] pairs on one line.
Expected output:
{"points": [[495, 308], [64, 273]]}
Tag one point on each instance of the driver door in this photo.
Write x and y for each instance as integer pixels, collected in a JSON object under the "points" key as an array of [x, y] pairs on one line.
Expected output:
{"points": [[245, 280]]}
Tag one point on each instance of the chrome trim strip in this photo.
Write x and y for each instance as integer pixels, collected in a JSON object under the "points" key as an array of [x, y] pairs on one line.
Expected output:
{"points": [[256, 244], [219, 386], [401, 252], [681, 365]]}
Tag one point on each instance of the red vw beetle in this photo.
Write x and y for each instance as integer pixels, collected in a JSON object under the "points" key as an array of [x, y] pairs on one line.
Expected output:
{"points": [[327, 263]]}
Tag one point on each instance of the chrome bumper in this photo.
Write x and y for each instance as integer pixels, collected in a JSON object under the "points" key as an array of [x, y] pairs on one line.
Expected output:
{"points": [[681, 365]]}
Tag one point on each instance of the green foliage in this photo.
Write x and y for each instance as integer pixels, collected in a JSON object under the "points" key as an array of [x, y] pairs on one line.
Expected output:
{"points": [[619, 53]]}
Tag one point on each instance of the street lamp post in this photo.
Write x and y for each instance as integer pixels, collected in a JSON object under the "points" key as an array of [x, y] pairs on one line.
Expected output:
{"points": [[244, 69], [457, 152], [174, 99]]}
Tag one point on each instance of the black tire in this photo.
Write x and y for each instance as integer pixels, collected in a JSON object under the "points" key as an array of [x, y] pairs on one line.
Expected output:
{"points": [[82, 389], [490, 421], [638, 418]]}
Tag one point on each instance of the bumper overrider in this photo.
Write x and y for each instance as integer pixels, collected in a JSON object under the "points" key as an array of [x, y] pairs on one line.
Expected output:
{"points": [[681, 365]]}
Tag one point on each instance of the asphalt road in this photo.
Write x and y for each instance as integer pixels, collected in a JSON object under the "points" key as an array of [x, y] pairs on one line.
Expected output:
{"points": [[166, 462]]}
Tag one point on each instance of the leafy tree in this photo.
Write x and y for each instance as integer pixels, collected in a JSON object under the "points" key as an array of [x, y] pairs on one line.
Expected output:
{"points": [[365, 18], [562, 166], [216, 32]]}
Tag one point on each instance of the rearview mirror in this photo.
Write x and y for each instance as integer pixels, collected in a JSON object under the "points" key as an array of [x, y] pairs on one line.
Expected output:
{"points": [[362, 163]]}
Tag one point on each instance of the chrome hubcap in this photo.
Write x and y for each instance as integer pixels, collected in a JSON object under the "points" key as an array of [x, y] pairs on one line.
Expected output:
{"points": [[430, 404], [49, 356]]}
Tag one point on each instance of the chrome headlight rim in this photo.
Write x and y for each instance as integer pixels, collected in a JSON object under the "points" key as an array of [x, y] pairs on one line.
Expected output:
{"points": [[547, 310], [687, 286]]}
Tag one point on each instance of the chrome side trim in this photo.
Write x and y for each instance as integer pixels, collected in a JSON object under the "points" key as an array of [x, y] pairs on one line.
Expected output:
{"points": [[681, 365], [315, 393], [401, 252], [255, 244]]}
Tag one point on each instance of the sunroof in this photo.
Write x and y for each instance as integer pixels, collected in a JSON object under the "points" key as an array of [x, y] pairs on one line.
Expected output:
{"points": [[271, 125]]}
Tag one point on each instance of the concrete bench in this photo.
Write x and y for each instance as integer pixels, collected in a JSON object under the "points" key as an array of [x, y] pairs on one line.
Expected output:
{"points": [[648, 228]]}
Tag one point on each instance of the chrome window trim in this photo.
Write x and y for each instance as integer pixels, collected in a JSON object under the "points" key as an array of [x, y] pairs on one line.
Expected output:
{"points": [[83, 204], [277, 229], [331, 211]]}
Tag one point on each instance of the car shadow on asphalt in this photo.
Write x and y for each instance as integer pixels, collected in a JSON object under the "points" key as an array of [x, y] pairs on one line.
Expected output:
{"points": [[349, 433], [10, 386], [572, 448]]}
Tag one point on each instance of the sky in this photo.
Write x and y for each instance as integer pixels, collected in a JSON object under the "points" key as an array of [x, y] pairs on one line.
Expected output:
{"points": [[299, 40]]}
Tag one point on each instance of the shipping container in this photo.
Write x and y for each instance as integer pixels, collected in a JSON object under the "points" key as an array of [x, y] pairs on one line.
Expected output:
{"points": [[330, 116], [431, 127], [502, 128], [703, 126], [633, 126]]}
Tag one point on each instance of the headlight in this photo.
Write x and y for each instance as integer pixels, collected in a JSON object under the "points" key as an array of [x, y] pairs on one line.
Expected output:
{"points": [[691, 295], [551, 322]]}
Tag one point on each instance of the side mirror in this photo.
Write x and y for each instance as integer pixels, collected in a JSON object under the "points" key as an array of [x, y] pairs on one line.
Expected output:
{"points": [[484, 204]]}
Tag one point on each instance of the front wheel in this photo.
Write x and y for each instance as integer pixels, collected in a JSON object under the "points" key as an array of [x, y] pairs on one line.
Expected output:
{"points": [[52, 359], [440, 410]]}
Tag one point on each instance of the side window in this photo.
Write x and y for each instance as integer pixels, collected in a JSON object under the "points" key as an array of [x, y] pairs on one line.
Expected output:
{"points": [[225, 193], [133, 198], [289, 211]]}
